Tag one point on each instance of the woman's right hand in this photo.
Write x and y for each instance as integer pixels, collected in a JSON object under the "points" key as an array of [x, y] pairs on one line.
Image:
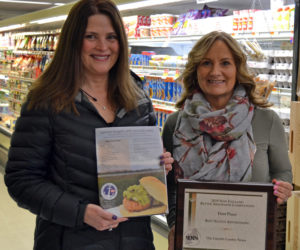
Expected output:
{"points": [[101, 220], [171, 238]]}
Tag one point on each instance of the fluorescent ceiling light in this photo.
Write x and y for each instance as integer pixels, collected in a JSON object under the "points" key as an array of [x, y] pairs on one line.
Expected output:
{"points": [[146, 3], [206, 1], [30, 2], [50, 19], [12, 27]]}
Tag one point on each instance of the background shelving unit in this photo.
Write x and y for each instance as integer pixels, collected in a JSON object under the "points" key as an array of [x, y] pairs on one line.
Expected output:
{"points": [[275, 65]]}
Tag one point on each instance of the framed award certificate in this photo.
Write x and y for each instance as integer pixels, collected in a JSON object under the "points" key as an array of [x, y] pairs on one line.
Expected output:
{"points": [[225, 215]]}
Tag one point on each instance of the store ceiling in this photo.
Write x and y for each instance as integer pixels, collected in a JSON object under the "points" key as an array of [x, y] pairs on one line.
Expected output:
{"points": [[11, 9]]}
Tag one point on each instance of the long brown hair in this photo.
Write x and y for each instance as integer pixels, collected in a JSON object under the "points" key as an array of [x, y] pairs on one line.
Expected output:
{"points": [[189, 75], [60, 82]]}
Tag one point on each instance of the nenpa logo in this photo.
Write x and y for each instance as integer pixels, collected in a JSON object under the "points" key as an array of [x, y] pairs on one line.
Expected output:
{"points": [[192, 237]]}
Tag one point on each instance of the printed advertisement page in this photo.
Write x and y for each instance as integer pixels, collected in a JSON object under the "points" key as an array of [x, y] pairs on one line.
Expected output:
{"points": [[131, 180]]}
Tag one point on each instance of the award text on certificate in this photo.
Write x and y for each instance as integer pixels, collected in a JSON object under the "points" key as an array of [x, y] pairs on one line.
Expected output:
{"points": [[231, 219]]}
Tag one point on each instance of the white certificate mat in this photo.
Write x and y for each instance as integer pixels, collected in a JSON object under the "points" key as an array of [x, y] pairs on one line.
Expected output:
{"points": [[224, 219]]}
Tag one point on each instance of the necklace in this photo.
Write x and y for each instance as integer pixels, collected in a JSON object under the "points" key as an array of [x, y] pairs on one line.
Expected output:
{"points": [[93, 98]]}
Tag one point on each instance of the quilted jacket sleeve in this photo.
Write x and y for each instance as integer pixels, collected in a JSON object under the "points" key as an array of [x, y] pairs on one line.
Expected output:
{"points": [[28, 169]]}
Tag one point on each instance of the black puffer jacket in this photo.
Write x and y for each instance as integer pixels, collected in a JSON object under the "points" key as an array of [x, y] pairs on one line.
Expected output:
{"points": [[52, 171]]}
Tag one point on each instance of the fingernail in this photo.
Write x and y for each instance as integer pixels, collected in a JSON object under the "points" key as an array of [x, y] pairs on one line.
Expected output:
{"points": [[274, 181], [161, 163], [114, 217], [275, 192], [275, 187], [161, 157], [277, 182]]}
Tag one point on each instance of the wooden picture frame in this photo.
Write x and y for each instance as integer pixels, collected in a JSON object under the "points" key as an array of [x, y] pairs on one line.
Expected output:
{"points": [[235, 206]]}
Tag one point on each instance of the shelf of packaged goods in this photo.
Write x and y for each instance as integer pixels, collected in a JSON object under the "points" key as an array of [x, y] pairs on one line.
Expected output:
{"points": [[33, 52], [24, 91], [163, 72], [274, 35], [25, 79], [165, 109], [6, 48], [163, 68], [171, 77], [282, 91], [169, 107], [142, 41], [266, 35], [5, 90], [15, 76], [15, 100], [37, 33], [7, 61]]}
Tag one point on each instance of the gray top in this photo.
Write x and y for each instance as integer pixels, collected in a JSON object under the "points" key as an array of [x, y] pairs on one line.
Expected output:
{"points": [[271, 159]]}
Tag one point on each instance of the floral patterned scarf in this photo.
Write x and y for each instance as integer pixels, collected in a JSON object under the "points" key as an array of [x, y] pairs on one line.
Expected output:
{"points": [[215, 145]]}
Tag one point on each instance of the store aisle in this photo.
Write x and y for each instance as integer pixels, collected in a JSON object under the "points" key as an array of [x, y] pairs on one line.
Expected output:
{"points": [[17, 225]]}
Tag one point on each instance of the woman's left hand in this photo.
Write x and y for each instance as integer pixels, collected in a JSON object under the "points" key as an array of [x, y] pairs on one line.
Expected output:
{"points": [[283, 190], [167, 160]]}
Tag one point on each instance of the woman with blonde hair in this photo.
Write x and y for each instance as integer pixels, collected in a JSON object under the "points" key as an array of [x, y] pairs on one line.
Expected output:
{"points": [[223, 130]]}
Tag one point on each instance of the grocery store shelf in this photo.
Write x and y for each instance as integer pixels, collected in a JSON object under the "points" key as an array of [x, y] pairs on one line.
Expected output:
{"points": [[143, 67], [33, 52], [169, 107], [273, 35]]}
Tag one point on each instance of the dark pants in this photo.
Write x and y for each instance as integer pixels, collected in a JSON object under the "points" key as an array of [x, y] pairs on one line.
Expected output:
{"points": [[134, 234]]}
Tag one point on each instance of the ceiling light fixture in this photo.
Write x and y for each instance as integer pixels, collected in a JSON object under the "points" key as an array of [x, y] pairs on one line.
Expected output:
{"points": [[12, 27], [206, 1], [30, 2], [50, 19], [142, 4]]}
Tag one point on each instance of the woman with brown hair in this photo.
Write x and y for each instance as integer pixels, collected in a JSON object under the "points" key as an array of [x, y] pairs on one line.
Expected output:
{"points": [[52, 168], [223, 130]]}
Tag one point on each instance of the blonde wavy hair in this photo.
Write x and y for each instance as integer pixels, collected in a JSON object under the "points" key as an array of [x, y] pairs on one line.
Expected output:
{"points": [[189, 75]]}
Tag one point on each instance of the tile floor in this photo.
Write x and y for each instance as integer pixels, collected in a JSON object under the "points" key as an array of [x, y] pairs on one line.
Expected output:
{"points": [[17, 225]]}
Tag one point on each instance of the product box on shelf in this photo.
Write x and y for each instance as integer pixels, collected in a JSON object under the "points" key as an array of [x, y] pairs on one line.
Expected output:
{"points": [[132, 24], [283, 18]]}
